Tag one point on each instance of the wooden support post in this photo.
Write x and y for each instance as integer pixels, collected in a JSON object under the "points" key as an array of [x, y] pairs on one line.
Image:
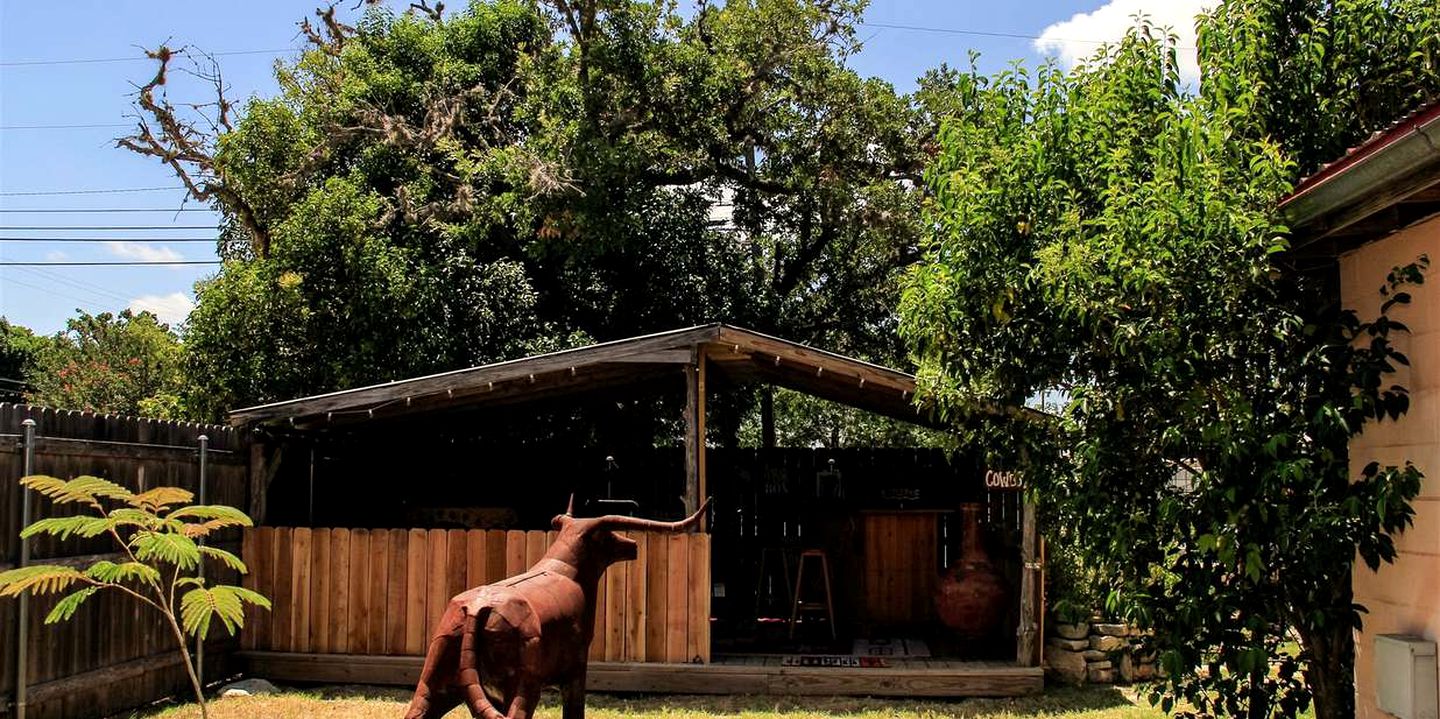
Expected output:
{"points": [[264, 463], [695, 432], [1027, 642]]}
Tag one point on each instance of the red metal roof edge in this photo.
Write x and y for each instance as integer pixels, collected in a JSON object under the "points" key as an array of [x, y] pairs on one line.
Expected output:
{"points": [[1356, 155]]}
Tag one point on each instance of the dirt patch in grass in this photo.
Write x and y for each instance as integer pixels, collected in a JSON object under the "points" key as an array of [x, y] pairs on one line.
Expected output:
{"points": [[373, 703]]}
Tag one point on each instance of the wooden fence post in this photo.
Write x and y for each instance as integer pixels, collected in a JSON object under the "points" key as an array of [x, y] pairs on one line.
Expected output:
{"points": [[22, 605]]}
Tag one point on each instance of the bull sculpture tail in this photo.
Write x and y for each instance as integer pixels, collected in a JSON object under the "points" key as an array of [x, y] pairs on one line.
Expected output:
{"points": [[475, 698]]}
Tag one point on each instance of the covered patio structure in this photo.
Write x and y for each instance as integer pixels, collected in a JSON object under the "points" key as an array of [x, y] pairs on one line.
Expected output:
{"points": [[377, 504]]}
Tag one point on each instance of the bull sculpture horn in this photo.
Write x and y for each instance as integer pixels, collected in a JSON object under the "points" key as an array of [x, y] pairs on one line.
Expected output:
{"points": [[617, 522], [570, 508]]}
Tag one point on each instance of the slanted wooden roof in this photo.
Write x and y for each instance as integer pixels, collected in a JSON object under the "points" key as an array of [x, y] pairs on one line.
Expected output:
{"points": [[739, 355]]}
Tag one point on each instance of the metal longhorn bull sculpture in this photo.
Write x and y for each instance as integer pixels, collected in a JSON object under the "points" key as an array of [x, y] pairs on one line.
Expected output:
{"points": [[498, 645]]}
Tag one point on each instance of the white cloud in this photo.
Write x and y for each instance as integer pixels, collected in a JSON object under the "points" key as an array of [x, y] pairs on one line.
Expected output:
{"points": [[143, 252], [56, 256], [1075, 39], [172, 309]]}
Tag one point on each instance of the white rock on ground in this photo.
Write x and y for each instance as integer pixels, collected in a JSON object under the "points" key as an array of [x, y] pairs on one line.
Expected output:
{"points": [[248, 687]]}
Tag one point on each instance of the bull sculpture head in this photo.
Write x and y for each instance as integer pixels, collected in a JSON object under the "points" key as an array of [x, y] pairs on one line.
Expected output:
{"points": [[592, 544]]}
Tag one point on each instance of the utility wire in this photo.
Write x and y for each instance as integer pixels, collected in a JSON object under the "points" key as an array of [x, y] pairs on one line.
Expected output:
{"points": [[52, 210], [110, 239], [989, 33], [50, 290], [76, 283], [81, 126], [135, 263], [103, 228], [110, 191], [882, 25], [134, 58]]}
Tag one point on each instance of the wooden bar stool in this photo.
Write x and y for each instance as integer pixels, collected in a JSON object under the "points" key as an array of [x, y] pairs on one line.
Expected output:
{"points": [[801, 603], [768, 555]]}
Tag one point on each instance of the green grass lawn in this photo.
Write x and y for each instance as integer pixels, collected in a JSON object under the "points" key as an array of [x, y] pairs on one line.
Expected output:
{"points": [[363, 703]]}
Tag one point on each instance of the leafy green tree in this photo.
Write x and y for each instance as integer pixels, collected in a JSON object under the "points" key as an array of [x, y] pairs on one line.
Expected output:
{"points": [[127, 363], [432, 191], [160, 536], [804, 421], [19, 348], [1318, 77], [1101, 233]]}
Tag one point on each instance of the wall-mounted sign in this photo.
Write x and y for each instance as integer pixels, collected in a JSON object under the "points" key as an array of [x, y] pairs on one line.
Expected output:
{"points": [[1003, 479]]}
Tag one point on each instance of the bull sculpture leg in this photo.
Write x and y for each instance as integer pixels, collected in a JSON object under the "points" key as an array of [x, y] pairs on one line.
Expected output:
{"points": [[572, 695], [499, 645]]}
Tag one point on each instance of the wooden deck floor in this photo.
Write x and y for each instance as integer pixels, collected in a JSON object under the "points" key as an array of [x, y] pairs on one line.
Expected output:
{"points": [[726, 675]]}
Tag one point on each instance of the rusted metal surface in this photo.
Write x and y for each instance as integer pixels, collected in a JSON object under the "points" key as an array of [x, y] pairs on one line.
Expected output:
{"points": [[498, 645], [971, 597]]}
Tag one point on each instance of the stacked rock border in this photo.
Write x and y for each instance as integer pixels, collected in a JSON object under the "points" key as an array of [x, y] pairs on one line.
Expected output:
{"points": [[1098, 653]]}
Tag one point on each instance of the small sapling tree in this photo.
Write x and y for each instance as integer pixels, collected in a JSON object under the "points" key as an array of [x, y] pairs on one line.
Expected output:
{"points": [[158, 533]]}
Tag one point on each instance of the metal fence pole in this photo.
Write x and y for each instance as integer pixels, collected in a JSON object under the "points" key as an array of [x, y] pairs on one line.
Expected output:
{"points": [[200, 642], [23, 603]]}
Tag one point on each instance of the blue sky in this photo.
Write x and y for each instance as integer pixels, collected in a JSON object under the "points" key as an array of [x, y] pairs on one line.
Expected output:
{"points": [[44, 94]]}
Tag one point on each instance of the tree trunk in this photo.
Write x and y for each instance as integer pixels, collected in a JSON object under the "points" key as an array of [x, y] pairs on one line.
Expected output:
{"points": [[767, 417], [1331, 671], [189, 665]]}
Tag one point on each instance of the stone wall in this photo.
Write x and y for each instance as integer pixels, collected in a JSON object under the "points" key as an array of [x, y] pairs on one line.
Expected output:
{"points": [[1097, 653]]}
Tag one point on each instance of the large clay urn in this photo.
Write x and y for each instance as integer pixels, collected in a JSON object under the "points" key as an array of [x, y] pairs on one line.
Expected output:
{"points": [[970, 598]]}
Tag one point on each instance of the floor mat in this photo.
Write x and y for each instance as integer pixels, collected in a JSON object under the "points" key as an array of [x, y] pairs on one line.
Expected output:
{"points": [[895, 647], [847, 661]]}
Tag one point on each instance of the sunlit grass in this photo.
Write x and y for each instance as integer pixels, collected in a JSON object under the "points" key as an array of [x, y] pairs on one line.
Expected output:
{"points": [[365, 703]]}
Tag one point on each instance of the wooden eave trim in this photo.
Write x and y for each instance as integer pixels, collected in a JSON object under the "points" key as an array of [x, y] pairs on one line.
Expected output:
{"points": [[830, 362], [464, 379]]}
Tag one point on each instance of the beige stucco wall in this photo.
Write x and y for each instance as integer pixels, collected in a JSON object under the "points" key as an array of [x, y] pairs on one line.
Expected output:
{"points": [[1403, 597]]}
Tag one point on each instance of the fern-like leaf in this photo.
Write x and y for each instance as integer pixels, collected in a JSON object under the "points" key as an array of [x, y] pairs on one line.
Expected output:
{"points": [[211, 511], [67, 606], [226, 558], [160, 497], [44, 484], [215, 517], [81, 489], [176, 549], [130, 517], [38, 579], [63, 527], [201, 605], [250, 596], [107, 571]]}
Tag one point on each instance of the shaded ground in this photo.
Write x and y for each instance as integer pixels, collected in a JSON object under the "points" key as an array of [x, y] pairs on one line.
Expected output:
{"points": [[372, 703]]}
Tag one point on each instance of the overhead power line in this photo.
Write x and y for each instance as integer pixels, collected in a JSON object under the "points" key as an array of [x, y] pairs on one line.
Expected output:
{"points": [[102, 228], [52, 210], [78, 283], [80, 126], [989, 33], [109, 239], [133, 58], [127, 263], [282, 51], [961, 31], [84, 303], [106, 191]]}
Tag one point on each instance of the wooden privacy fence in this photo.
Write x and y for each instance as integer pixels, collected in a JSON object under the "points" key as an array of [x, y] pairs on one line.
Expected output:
{"points": [[382, 591], [113, 655]]}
